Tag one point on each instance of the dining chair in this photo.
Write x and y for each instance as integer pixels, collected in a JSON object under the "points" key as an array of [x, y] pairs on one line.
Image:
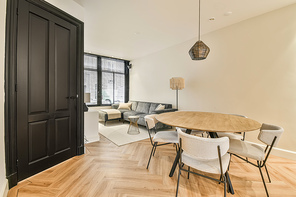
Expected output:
{"points": [[237, 135], [269, 135], [161, 137], [205, 155]]}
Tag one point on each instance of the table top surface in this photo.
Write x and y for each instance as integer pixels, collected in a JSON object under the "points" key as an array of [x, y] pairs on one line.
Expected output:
{"points": [[208, 121]]}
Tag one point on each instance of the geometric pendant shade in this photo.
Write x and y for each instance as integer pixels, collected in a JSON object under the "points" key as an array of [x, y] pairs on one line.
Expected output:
{"points": [[199, 51]]}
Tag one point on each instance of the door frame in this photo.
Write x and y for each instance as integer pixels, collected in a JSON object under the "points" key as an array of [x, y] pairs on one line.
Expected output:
{"points": [[11, 87]]}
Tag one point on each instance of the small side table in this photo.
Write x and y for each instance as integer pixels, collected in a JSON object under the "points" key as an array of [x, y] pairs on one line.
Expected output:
{"points": [[133, 128]]}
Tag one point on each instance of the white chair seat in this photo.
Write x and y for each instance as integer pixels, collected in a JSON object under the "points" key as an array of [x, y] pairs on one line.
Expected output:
{"points": [[234, 136], [166, 137], [209, 166], [246, 149]]}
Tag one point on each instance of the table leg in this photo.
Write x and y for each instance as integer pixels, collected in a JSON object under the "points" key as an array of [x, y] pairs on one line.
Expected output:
{"points": [[213, 135], [177, 158], [175, 164]]}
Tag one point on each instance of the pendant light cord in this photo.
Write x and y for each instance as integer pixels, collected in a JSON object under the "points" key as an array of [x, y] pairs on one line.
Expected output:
{"points": [[199, 20]]}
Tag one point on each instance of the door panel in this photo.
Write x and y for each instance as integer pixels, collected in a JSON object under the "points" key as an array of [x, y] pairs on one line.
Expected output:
{"points": [[62, 134], [38, 64], [46, 100], [62, 43], [38, 141]]}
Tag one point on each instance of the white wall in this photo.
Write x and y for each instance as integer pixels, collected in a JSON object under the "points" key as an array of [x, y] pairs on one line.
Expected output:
{"points": [[251, 70], [3, 180], [69, 6]]}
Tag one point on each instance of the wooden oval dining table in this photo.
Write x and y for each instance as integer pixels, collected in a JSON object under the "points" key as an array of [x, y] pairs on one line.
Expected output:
{"points": [[210, 122]]}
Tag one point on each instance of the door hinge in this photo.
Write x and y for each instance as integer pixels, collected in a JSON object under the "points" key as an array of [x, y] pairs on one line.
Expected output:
{"points": [[15, 87], [17, 11]]}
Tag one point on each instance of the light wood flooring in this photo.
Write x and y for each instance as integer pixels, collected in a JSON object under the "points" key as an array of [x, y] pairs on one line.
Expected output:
{"points": [[111, 171]]}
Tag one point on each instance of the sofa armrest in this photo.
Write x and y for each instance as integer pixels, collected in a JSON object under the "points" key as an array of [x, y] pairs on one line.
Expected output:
{"points": [[164, 111]]}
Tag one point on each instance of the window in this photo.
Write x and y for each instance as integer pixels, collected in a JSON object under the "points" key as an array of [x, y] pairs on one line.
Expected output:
{"points": [[91, 78], [113, 81], [105, 80]]}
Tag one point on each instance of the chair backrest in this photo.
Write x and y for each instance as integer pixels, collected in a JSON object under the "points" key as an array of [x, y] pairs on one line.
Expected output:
{"points": [[203, 148], [150, 121], [268, 132]]}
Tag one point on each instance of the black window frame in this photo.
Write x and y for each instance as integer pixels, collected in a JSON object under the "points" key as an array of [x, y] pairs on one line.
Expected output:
{"points": [[99, 79]]}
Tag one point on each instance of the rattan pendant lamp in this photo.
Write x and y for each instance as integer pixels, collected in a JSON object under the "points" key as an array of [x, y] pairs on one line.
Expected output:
{"points": [[199, 51]]}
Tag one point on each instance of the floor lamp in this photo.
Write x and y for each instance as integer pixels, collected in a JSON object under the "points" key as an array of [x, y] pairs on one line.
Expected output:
{"points": [[177, 83]]}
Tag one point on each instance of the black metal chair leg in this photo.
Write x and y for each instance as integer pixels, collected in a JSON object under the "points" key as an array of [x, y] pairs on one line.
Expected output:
{"points": [[267, 173], [224, 180], [229, 184], [229, 162], [178, 181], [150, 156], [188, 172], [220, 178], [259, 166], [155, 148]]}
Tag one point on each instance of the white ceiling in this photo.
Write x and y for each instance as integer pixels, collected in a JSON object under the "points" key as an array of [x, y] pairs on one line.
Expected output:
{"points": [[130, 29]]}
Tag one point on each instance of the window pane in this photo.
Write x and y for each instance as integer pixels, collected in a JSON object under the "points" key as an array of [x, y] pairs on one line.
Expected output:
{"points": [[90, 62], [119, 88], [91, 85], [107, 88], [112, 65]]}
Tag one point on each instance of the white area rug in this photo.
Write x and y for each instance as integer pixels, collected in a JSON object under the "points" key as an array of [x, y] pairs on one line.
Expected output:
{"points": [[117, 133]]}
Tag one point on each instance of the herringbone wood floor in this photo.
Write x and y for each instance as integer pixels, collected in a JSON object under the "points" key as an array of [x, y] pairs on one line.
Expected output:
{"points": [[111, 171]]}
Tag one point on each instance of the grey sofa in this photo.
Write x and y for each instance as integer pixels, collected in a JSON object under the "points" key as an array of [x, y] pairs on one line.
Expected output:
{"points": [[141, 109]]}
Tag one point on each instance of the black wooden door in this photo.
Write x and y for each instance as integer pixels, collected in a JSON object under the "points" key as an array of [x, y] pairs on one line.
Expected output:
{"points": [[46, 90]]}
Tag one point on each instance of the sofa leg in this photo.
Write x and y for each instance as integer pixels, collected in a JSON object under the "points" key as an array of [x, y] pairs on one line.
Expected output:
{"points": [[105, 123]]}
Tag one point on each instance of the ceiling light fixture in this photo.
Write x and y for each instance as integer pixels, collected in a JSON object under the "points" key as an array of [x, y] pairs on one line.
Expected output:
{"points": [[199, 50]]}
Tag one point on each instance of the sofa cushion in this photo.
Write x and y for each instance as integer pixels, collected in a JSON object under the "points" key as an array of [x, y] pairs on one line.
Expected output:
{"points": [[168, 106], [153, 107], [115, 106], [160, 107], [125, 106], [143, 107], [134, 105], [141, 120]]}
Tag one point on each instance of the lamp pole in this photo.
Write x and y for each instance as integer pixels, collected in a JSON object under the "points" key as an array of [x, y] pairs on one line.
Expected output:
{"points": [[177, 97]]}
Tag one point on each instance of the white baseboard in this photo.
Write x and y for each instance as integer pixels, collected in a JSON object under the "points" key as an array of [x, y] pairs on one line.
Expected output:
{"points": [[4, 189], [284, 153], [279, 152], [92, 139]]}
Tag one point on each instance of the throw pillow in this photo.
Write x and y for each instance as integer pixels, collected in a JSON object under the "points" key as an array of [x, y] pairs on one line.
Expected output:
{"points": [[125, 106], [159, 107]]}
